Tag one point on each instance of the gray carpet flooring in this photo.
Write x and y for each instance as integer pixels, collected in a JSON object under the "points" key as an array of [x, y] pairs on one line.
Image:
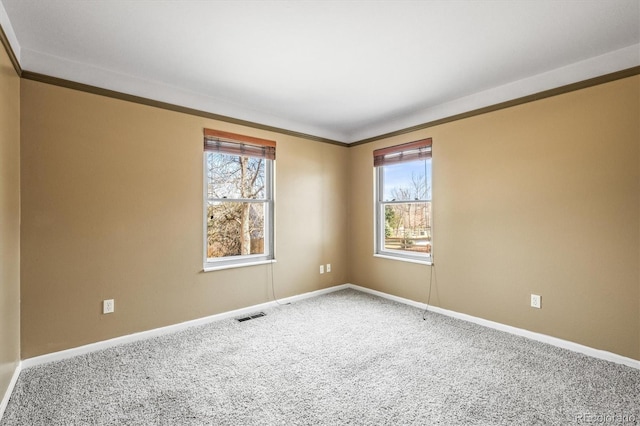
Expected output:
{"points": [[345, 358]]}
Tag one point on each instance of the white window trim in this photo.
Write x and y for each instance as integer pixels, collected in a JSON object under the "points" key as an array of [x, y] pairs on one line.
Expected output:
{"points": [[229, 262], [378, 220], [403, 259], [239, 265]]}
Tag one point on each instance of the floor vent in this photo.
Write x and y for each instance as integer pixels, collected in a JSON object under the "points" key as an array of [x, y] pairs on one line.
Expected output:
{"points": [[250, 317]]}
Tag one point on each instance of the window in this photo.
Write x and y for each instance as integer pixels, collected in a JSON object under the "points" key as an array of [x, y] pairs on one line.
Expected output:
{"points": [[403, 201], [238, 192]]}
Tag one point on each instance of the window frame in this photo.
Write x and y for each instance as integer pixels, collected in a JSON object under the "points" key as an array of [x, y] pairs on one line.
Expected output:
{"points": [[380, 204], [226, 262]]}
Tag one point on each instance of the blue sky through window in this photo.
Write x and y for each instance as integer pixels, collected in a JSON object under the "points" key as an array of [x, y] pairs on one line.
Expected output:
{"points": [[401, 176]]}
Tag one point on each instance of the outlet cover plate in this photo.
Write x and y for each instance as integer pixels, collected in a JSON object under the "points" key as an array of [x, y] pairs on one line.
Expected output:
{"points": [[108, 306], [536, 301]]}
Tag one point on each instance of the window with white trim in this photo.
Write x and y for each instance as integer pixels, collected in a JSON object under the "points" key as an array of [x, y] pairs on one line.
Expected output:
{"points": [[238, 199], [403, 201]]}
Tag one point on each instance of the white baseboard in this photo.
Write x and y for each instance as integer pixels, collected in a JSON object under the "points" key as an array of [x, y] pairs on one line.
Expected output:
{"points": [[575, 347], [565, 344], [9, 391], [92, 347]]}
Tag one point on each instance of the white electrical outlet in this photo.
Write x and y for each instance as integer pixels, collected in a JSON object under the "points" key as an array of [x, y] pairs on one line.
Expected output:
{"points": [[536, 301], [108, 306], [322, 269], [328, 267]]}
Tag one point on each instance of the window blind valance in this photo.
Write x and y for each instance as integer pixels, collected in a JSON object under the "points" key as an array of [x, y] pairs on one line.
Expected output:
{"points": [[236, 144], [402, 153]]}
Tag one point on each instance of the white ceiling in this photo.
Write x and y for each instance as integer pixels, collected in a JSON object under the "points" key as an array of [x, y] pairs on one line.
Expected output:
{"points": [[342, 70]]}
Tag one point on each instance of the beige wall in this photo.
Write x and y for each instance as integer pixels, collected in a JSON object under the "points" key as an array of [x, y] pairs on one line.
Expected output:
{"points": [[540, 198], [112, 208], [9, 221]]}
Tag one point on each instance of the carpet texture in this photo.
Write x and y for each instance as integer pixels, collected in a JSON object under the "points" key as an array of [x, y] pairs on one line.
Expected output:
{"points": [[342, 358]]}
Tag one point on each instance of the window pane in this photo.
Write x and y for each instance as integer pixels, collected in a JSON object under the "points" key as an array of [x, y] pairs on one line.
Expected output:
{"points": [[236, 177], [406, 181], [407, 227], [235, 229]]}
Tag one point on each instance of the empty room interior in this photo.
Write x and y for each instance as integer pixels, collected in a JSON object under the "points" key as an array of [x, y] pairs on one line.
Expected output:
{"points": [[171, 166]]}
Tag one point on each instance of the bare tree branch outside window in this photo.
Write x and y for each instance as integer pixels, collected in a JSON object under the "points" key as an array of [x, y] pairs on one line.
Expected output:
{"points": [[407, 215], [236, 206]]}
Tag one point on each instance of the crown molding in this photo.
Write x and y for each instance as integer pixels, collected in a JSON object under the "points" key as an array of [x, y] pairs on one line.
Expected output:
{"points": [[446, 118], [47, 79], [7, 45], [629, 72]]}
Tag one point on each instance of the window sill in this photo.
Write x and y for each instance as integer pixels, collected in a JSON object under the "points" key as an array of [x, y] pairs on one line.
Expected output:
{"points": [[237, 265], [404, 259]]}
